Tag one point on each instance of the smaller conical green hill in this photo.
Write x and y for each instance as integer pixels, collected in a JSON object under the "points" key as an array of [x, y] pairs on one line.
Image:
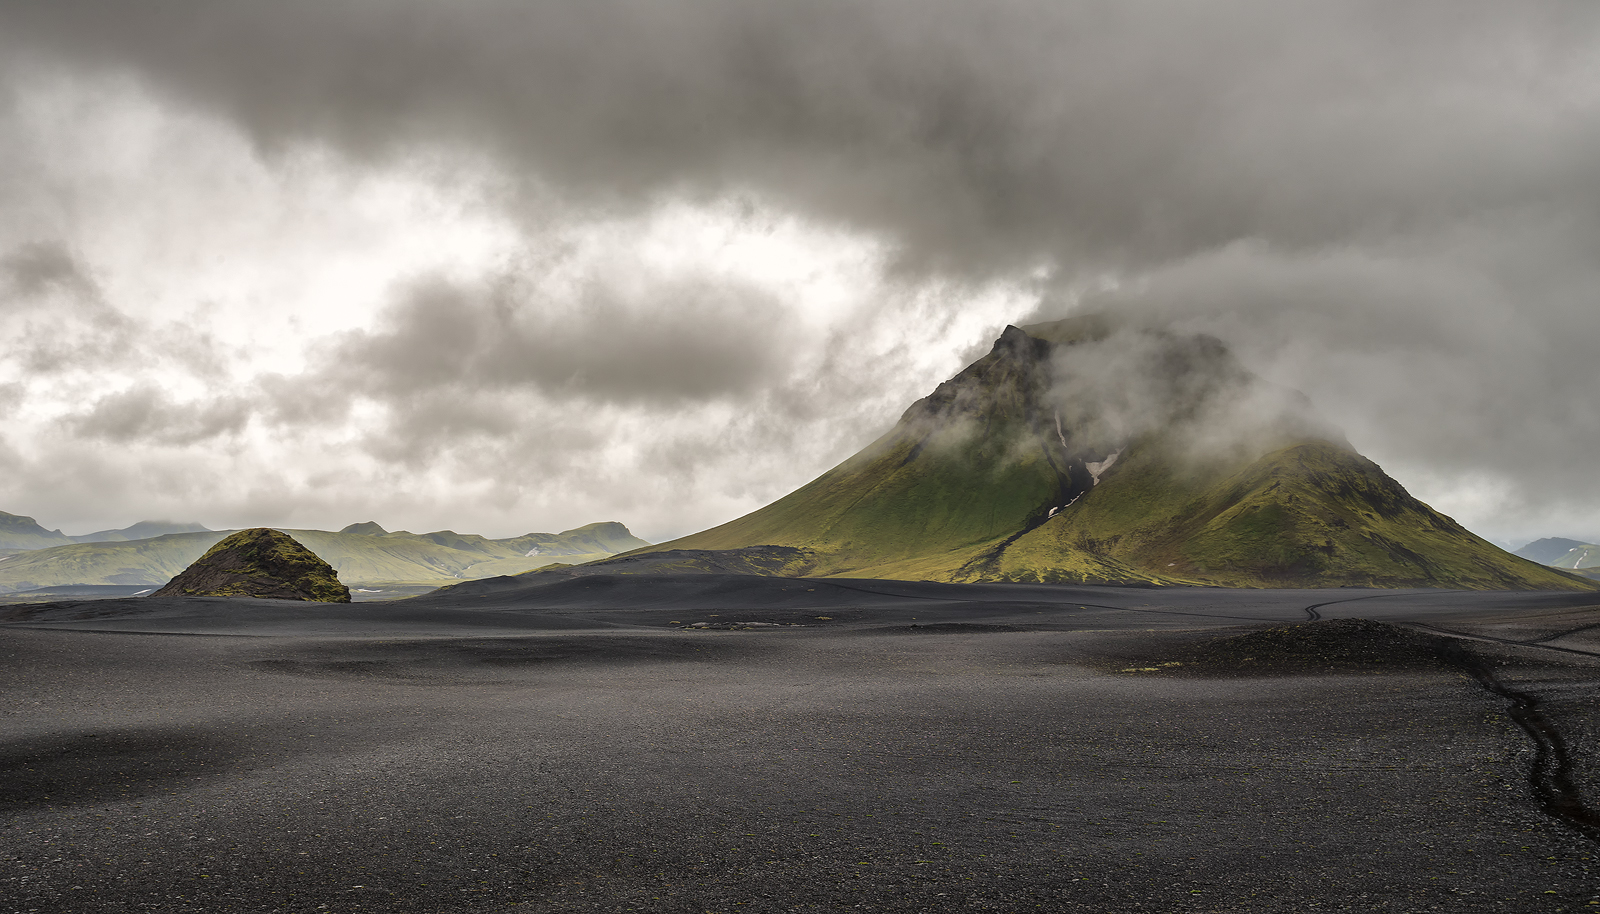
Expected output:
{"points": [[259, 562]]}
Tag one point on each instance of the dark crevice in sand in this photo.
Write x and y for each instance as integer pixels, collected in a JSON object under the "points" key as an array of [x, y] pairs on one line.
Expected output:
{"points": [[1313, 614], [1551, 773], [1537, 643], [1563, 634]]}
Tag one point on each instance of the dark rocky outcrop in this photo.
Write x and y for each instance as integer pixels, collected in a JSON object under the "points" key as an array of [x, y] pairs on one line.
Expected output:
{"points": [[259, 562]]}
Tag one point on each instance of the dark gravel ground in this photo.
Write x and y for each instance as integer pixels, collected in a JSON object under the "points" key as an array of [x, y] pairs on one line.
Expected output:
{"points": [[921, 748]]}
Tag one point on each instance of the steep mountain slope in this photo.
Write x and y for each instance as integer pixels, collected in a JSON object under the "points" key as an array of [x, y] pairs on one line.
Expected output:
{"points": [[259, 562], [372, 556], [1087, 452], [961, 468], [19, 534]]}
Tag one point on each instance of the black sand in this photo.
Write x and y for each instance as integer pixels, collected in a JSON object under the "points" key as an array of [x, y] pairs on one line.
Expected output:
{"points": [[579, 746]]}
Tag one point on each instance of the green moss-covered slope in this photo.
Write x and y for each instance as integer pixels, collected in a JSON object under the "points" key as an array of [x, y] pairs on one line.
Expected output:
{"points": [[1313, 513], [1080, 451], [259, 562]]}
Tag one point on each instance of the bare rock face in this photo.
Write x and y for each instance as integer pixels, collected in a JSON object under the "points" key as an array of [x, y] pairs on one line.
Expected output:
{"points": [[259, 563]]}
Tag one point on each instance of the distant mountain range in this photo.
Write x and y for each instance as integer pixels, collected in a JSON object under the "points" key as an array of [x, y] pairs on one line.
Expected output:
{"points": [[22, 534], [1086, 451], [365, 555], [1558, 552]]}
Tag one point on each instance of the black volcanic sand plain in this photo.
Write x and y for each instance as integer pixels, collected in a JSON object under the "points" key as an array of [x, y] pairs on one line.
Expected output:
{"points": [[722, 743]]}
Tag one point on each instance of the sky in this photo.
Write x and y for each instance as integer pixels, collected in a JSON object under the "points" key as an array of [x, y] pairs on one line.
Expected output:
{"points": [[503, 267]]}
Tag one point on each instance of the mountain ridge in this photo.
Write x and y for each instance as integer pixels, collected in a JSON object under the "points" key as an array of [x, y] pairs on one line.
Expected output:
{"points": [[360, 559], [143, 530]]}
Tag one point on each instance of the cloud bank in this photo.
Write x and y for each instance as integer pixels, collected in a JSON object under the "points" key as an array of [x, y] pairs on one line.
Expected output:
{"points": [[529, 264]]}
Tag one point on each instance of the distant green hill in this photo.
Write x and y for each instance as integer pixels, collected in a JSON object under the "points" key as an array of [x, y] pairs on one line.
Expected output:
{"points": [[1585, 556], [1558, 552], [1079, 451], [19, 534], [143, 530], [1549, 550], [374, 556]]}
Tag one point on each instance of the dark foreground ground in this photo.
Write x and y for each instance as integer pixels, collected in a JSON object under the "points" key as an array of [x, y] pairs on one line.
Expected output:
{"points": [[874, 746]]}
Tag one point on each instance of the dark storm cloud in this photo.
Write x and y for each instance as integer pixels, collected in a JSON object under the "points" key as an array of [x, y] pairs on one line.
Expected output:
{"points": [[976, 134], [1464, 358], [147, 414], [451, 362], [60, 321], [1393, 205], [671, 341]]}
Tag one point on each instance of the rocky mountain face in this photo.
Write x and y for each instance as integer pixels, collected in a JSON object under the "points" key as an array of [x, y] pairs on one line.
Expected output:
{"points": [[259, 562], [1081, 451]]}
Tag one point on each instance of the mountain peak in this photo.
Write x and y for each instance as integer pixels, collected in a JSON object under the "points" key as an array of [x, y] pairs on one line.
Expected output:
{"points": [[366, 528], [1091, 450]]}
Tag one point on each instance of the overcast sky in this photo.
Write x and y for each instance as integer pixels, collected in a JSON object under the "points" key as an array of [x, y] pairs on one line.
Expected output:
{"points": [[503, 266]]}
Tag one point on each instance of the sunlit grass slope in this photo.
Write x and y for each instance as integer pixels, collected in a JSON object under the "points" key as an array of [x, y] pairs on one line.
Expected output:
{"points": [[1585, 556], [1312, 514]]}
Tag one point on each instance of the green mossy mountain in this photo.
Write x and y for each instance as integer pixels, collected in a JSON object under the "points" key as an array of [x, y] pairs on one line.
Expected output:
{"points": [[259, 562], [1082, 451], [20, 534], [363, 555]]}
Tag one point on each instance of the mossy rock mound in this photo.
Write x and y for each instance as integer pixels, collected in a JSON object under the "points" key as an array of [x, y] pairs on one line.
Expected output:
{"points": [[259, 563], [1324, 646]]}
